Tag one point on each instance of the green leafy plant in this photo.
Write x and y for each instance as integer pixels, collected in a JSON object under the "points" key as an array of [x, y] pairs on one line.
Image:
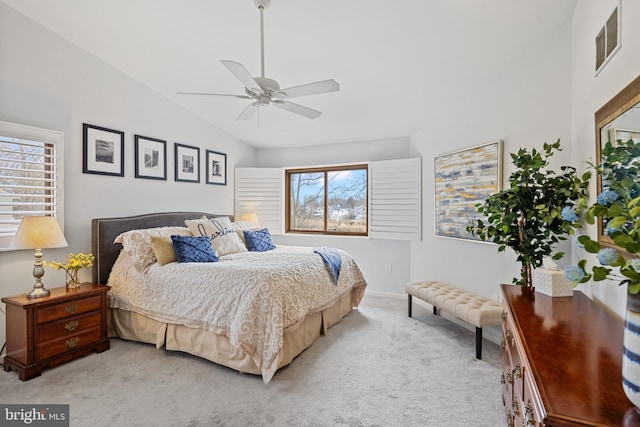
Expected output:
{"points": [[527, 216], [618, 207]]}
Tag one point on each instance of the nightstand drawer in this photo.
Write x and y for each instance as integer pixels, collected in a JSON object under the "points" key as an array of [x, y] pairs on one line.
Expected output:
{"points": [[68, 327], [67, 343], [70, 308]]}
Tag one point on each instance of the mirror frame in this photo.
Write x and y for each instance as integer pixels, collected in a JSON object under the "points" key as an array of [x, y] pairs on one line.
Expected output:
{"points": [[619, 104]]}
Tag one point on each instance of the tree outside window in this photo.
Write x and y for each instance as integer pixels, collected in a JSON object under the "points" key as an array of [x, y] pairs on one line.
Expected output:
{"points": [[329, 200]]}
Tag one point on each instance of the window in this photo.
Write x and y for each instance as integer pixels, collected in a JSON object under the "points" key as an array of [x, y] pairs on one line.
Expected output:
{"points": [[30, 176], [330, 200]]}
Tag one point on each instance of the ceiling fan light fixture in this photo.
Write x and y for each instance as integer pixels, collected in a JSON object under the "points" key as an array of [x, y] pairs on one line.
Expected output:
{"points": [[262, 3]]}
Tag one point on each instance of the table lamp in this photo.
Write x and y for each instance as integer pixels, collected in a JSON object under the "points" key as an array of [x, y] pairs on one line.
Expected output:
{"points": [[250, 217], [38, 232]]}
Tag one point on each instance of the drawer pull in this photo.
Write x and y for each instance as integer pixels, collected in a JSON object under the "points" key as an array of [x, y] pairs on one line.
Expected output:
{"points": [[72, 326], [72, 342], [70, 309], [503, 315], [517, 371], [516, 410], [510, 419], [529, 414]]}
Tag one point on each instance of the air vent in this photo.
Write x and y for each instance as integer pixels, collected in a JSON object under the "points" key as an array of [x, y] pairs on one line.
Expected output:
{"points": [[608, 39]]}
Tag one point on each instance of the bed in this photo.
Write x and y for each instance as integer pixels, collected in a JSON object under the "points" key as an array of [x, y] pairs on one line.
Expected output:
{"points": [[252, 311]]}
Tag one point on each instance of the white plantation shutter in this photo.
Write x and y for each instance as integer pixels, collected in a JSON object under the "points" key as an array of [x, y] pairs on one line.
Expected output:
{"points": [[395, 202], [260, 190], [30, 176]]}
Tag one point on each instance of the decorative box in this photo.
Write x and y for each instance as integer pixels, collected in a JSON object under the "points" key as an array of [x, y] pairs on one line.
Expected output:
{"points": [[552, 283]]}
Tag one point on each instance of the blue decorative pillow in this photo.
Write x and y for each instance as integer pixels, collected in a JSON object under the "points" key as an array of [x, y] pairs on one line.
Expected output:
{"points": [[193, 249], [258, 240]]}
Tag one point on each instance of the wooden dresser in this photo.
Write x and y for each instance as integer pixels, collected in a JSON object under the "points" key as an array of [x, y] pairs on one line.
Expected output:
{"points": [[562, 361], [61, 327]]}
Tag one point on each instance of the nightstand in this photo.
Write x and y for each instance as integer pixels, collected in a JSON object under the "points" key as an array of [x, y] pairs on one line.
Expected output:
{"points": [[52, 330]]}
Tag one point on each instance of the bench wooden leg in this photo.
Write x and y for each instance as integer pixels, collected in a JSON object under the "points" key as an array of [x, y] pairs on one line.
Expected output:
{"points": [[478, 343], [409, 304]]}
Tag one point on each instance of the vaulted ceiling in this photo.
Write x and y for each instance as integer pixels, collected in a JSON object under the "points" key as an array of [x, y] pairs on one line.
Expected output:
{"points": [[396, 61]]}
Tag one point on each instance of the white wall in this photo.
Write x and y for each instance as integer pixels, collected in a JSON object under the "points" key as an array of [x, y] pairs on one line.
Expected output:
{"points": [[372, 255], [525, 104], [47, 82], [590, 92]]}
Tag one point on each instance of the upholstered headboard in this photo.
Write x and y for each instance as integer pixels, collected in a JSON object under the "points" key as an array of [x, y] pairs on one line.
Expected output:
{"points": [[105, 230]]}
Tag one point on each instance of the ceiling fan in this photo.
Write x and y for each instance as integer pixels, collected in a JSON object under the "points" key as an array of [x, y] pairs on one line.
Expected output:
{"points": [[265, 91]]}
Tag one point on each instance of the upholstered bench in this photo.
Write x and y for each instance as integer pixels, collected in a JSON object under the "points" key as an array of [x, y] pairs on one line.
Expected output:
{"points": [[471, 308]]}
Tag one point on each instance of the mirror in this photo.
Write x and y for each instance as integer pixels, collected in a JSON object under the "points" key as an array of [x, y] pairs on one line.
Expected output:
{"points": [[617, 119]]}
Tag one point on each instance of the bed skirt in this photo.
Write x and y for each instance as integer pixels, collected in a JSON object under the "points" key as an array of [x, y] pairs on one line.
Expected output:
{"points": [[132, 326]]}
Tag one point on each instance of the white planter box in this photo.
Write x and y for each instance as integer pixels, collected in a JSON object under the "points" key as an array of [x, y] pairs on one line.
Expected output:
{"points": [[552, 283]]}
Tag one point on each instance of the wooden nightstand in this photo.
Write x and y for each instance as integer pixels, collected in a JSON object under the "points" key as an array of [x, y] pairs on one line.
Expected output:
{"points": [[52, 330]]}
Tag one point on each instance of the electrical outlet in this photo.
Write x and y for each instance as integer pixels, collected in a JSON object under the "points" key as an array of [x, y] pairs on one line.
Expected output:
{"points": [[387, 269]]}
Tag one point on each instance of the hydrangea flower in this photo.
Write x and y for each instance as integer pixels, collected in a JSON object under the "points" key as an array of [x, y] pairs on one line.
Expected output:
{"points": [[635, 264], [607, 197], [568, 214], [607, 256], [573, 273]]}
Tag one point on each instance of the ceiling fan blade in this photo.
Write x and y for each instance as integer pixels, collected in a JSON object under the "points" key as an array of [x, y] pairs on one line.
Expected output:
{"points": [[214, 94], [242, 74], [307, 112], [248, 112], [323, 86]]}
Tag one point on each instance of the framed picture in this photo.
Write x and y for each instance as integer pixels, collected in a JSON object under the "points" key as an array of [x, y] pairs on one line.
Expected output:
{"points": [[102, 151], [463, 179], [151, 158], [187, 160], [216, 168]]}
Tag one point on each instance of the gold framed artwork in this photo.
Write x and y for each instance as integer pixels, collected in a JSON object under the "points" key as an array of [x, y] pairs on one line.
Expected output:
{"points": [[463, 179]]}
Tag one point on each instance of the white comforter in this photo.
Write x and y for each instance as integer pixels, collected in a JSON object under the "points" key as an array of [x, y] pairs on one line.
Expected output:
{"points": [[250, 297]]}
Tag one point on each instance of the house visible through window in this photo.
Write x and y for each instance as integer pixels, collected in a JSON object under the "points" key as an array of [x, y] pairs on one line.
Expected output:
{"points": [[331, 200], [30, 176]]}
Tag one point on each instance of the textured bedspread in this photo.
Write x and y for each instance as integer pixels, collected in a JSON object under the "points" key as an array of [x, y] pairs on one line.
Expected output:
{"points": [[250, 297]]}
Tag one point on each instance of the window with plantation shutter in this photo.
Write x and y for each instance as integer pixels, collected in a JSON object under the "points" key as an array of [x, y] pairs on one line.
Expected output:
{"points": [[30, 176], [394, 202]]}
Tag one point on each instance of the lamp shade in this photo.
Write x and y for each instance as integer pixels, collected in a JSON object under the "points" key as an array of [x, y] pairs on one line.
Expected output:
{"points": [[250, 217], [38, 232]]}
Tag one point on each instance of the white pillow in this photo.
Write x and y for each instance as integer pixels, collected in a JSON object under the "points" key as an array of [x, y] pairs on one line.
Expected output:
{"points": [[224, 238], [138, 243]]}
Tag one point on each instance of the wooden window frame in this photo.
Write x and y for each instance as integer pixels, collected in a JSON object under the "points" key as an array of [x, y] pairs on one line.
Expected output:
{"points": [[325, 170]]}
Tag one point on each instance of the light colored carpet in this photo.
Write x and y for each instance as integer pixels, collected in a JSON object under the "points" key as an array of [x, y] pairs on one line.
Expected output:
{"points": [[376, 368]]}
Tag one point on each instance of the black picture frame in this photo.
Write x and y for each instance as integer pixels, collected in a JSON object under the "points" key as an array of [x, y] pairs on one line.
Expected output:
{"points": [[102, 150], [187, 163], [150, 158], [216, 168]]}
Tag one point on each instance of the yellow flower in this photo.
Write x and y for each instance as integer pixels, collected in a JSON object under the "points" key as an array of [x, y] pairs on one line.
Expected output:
{"points": [[76, 262]]}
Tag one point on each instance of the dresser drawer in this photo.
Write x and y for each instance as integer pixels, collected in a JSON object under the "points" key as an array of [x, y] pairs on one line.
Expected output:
{"points": [[70, 308], [68, 327], [69, 342]]}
